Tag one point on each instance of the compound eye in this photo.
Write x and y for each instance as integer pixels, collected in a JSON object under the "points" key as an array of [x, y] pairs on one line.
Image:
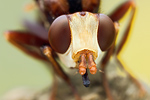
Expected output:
{"points": [[106, 32], [59, 34]]}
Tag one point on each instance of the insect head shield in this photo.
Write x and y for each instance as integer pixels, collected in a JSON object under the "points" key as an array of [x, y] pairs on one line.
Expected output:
{"points": [[85, 35]]}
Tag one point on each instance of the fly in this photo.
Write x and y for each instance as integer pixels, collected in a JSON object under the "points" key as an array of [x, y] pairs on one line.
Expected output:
{"points": [[73, 32]]}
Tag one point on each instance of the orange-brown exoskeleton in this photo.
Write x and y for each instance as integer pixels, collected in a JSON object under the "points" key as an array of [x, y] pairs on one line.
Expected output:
{"points": [[77, 35]]}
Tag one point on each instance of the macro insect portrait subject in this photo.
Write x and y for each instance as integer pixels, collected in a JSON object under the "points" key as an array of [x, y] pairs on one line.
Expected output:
{"points": [[75, 35]]}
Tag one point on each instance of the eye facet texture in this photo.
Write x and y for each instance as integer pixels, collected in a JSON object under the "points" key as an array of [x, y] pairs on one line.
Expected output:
{"points": [[59, 34], [106, 32]]}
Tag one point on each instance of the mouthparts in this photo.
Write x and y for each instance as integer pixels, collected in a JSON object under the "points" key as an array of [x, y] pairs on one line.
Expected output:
{"points": [[86, 62]]}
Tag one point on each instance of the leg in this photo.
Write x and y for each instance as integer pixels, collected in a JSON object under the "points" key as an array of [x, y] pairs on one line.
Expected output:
{"points": [[54, 88], [104, 79], [104, 63], [47, 51], [119, 13], [122, 9], [27, 42], [142, 90]]}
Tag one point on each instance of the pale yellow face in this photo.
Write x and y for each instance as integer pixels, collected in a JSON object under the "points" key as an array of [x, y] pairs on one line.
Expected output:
{"points": [[84, 30], [90, 34], [84, 34]]}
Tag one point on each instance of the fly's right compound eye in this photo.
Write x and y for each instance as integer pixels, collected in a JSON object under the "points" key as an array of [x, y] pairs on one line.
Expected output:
{"points": [[106, 32], [60, 34]]}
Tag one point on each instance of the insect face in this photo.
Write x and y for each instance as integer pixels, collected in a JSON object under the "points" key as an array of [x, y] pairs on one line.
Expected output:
{"points": [[82, 36]]}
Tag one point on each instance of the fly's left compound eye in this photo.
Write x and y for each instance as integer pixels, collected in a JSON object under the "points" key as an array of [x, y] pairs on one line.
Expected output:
{"points": [[59, 34], [106, 32]]}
